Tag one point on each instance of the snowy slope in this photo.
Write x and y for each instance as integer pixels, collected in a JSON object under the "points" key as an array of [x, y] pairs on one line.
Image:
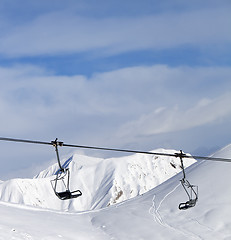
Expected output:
{"points": [[153, 215], [103, 182]]}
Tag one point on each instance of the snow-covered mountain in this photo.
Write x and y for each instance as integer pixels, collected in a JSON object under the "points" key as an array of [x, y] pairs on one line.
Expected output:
{"points": [[103, 182], [153, 215]]}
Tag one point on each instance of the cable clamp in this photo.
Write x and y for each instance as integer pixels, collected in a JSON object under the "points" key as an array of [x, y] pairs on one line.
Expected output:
{"points": [[180, 155], [56, 143]]}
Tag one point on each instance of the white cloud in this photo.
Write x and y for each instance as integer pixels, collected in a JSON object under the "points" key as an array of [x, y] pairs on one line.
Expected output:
{"points": [[111, 109], [144, 99], [57, 33], [206, 111]]}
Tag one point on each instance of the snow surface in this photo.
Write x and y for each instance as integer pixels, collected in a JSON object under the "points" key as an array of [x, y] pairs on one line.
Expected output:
{"points": [[153, 215], [103, 182]]}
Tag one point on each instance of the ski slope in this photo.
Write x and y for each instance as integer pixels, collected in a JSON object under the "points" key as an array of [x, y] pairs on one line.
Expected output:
{"points": [[152, 215]]}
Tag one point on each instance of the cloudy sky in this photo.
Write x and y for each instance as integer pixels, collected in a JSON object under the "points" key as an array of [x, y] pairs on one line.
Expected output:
{"points": [[124, 74]]}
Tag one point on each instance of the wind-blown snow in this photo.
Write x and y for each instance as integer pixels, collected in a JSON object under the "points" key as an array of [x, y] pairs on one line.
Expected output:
{"points": [[103, 182], [153, 215]]}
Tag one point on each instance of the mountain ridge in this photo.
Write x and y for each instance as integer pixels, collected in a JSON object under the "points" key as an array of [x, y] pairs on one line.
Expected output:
{"points": [[103, 182]]}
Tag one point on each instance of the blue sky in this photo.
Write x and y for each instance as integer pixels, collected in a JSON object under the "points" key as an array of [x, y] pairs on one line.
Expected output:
{"points": [[134, 74]]}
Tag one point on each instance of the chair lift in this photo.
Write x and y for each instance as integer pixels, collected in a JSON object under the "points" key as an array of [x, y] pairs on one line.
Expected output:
{"points": [[61, 174], [191, 190]]}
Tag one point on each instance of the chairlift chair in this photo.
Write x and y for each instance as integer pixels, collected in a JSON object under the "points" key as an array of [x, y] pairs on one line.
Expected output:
{"points": [[191, 190], [60, 181]]}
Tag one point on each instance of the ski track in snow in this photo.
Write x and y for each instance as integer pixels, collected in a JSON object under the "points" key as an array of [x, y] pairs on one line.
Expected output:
{"points": [[154, 211]]}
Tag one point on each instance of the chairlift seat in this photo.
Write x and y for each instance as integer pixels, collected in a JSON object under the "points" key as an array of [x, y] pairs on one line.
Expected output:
{"points": [[68, 194], [188, 204]]}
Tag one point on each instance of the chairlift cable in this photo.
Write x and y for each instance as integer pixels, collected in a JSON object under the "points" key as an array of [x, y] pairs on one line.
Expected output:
{"points": [[116, 149], [24, 141]]}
